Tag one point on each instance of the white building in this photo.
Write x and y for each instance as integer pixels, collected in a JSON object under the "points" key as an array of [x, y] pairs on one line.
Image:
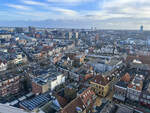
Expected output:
{"points": [[57, 81], [5, 36], [3, 66]]}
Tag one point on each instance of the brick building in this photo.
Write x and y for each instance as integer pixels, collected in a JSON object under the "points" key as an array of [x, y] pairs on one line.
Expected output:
{"points": [[9, 84]]}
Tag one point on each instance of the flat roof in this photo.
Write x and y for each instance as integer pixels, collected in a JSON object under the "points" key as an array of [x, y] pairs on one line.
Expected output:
{"points": [[122, 84], [35, 102], [9, 109]]}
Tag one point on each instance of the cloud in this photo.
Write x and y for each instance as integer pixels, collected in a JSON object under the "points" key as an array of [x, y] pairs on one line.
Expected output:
{"points": [[116, 12], [30, 2], [127, 8], [65, 11], [50, 9], [69, 1], [21, 7]]}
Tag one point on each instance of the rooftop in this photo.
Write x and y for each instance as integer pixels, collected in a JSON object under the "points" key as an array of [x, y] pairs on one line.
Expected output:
{"points": [[137, 82], [101, 80], [122, 84], [35, 102], [8, 76], [9, 109], [126, 77]]}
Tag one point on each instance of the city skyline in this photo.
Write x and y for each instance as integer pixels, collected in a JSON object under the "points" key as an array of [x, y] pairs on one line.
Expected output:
{"points": [[103, 14]]}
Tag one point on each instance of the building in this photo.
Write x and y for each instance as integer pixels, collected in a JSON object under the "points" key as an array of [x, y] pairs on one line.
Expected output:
{"points": [[32, 30], [141, 28], [20, 58], [3, 65], [100, 85], [120, 89], [39, 86], [47, 82], [7, 109], [118, 108], [5, 35], [70, 35], [82, 103], [19, 30], [9, 84], [79, 59], [134, 89], [145, 95], [76, 35], [35, 103]]}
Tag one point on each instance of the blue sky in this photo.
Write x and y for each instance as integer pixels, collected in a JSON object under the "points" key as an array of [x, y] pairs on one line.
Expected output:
{"points": [[119, 14]]}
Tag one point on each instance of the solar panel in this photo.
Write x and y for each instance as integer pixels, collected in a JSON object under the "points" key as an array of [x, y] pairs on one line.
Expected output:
{"points": [[35, 102]]}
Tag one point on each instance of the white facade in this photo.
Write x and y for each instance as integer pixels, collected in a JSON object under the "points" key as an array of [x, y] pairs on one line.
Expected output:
{"points": [[6, 36], [3, 66], [59, 80], [19, 59]]}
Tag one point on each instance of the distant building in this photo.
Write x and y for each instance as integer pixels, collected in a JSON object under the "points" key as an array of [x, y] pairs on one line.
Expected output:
{"points": [[5, 36], [75, 35], [141, 28], [3, 65], [19, 30], [32, 30], [70, 35], [79, 59]]}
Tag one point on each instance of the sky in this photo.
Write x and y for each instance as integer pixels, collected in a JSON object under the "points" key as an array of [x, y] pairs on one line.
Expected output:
{"points": [[103, 14]]}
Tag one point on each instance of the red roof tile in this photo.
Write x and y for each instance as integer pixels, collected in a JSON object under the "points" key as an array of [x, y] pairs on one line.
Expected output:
{"points": [[81, 102], [101, 80], [126, 77]]}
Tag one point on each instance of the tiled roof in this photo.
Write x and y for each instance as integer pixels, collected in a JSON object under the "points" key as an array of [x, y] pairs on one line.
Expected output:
{"points": [[72, 107], [126, 77], [80, 103], [101, 80], [62, 101], [87, 95]]}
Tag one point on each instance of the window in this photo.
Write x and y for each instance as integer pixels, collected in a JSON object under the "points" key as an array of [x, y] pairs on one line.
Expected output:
{"points": [[99, 93], [99, 87]]}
